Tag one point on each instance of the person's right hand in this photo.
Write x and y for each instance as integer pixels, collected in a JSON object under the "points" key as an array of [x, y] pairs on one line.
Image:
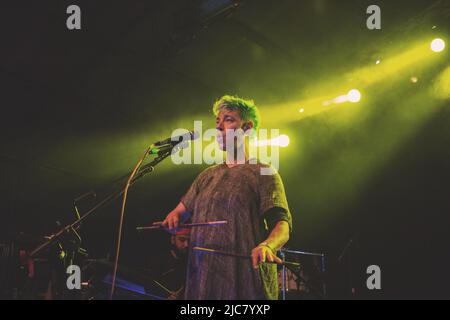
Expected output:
{"points": [[172, 220]]}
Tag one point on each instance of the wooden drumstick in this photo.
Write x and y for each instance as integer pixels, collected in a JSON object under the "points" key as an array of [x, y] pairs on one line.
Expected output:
{"points": [[230, 254], [158, 225]]}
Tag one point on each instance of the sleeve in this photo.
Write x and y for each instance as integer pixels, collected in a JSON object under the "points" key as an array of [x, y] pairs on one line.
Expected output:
{"points": [[273, 203]]}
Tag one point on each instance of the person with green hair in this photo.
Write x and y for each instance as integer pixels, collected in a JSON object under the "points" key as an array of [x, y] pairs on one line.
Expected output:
{"points": [[253, 204]]}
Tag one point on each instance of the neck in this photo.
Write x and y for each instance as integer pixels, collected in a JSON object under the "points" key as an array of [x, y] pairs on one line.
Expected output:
{"points": [[239, 156]]}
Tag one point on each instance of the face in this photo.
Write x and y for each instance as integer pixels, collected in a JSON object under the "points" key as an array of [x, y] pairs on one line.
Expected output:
{"points": [[180, 243], [227, 120]]}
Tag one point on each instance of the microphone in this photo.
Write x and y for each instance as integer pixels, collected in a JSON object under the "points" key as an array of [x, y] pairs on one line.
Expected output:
{"points": [[191, 135]]}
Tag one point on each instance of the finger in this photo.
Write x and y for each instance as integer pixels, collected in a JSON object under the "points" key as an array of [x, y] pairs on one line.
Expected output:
{"points": [[278, 260], [255, 260], [175, 223], [263, 256], [270, 257]]}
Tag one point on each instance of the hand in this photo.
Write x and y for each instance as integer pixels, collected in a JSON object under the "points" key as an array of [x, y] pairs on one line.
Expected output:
{"points": [[172, 296], [176, 295], [263, 253], [172, 220]]}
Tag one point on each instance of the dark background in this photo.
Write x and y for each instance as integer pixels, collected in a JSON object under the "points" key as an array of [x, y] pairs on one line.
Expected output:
{"points": [[80, 107]]}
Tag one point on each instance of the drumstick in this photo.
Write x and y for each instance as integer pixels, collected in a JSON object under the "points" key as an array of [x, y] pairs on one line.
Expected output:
{"points": [[163, 287], [213, 251], [158, 225]]}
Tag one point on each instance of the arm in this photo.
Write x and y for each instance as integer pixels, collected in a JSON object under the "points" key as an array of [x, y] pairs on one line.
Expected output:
{"points": [[278, 236], [274, 210], [266, 251]]}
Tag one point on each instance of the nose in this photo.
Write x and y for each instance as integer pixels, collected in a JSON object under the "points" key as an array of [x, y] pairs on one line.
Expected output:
{"points": [[219, 125]]}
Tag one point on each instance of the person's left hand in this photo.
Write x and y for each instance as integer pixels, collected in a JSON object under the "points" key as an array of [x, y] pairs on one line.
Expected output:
{"points": [[262, 254]]}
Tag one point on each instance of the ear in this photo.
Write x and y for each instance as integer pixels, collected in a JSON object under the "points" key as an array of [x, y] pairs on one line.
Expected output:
{"points": [[248, 125]]}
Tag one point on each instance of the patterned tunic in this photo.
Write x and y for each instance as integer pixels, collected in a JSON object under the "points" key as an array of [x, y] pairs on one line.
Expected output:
{"points": [[243, 197]]}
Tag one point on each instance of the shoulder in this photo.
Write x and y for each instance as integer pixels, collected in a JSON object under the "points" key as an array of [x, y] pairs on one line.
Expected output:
{"points": [[264, 170], [209, 171]]}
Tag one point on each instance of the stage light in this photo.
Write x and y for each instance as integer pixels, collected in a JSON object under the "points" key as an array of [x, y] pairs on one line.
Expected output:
{"points": [[414, 79], [378, 62], [301, 110], [283, 141], [437, 45], [354, 96], [341, 99]]}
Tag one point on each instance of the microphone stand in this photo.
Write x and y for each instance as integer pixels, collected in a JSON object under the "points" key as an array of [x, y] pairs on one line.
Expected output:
{"points": [[138, 172], [163, 153], [348, 252]]}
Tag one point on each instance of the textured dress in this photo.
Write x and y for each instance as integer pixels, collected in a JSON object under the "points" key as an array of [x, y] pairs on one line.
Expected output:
{"points": [[247, 200]]}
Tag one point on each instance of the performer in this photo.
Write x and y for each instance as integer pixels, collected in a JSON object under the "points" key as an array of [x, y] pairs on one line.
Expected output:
{"points": [[255, 206], [173, 265]]}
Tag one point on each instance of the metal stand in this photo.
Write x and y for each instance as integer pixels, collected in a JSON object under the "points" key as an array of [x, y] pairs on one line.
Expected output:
{"points": [[162, 153], [301, 253]]}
